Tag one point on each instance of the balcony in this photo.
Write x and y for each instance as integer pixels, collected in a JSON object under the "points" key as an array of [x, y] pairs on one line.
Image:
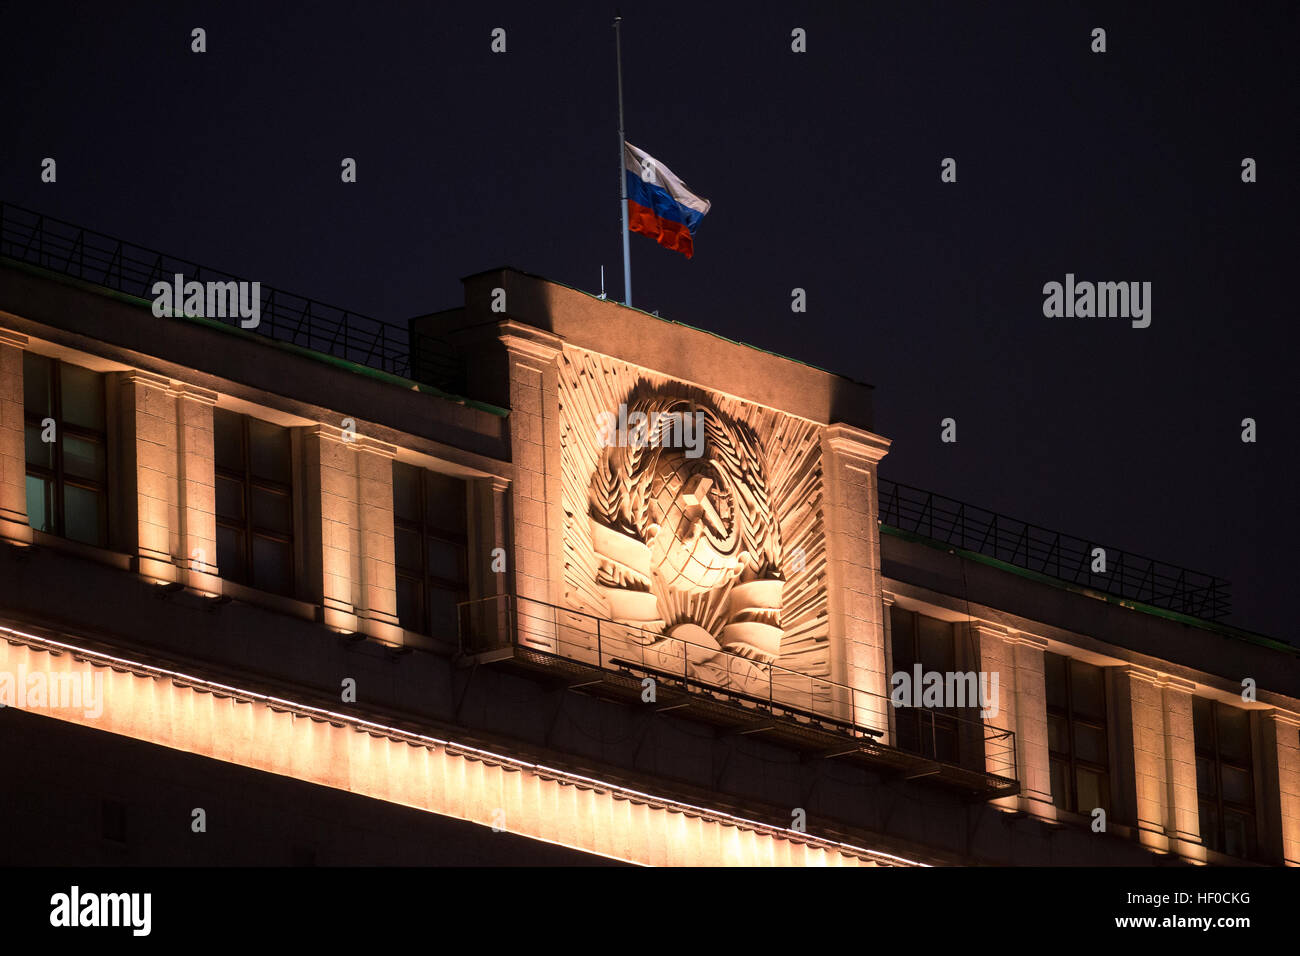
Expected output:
{"points": [[820, 718]]}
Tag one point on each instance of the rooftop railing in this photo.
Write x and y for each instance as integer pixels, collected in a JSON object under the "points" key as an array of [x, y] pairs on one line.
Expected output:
{"points": [[95, 257], [100, 259], [1051, 553]]}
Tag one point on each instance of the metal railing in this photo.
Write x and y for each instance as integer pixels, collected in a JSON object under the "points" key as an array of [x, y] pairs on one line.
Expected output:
{"points": [[506, 621], [1052, 553], [95, 257]]}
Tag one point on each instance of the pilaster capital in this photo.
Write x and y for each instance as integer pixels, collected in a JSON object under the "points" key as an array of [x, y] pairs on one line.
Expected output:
{"points": [[1025, 639], [16, 339], [146, 379], [534, 343], [1282, 717], [358, 443], [1156, 679], [192, 392], [851, 442]]}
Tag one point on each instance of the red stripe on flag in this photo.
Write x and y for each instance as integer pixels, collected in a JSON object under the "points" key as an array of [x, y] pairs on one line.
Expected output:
{"points": [[669, 234]]}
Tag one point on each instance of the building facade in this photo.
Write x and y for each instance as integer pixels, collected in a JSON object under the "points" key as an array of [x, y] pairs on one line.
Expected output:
{"points": [[546, 579]]}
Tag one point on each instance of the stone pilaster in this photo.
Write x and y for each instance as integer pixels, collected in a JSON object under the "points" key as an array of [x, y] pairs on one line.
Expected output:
{"points": [[151, 474], [1158, 748], [1017, 659], [850, 507], [196, 488], [490, 571], [887, 624], [537, 491], [1279, 806], [14, 526], [377, 581], [350, 564]]}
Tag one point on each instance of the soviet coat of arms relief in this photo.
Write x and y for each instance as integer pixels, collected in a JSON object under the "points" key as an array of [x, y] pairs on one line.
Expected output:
{"points": [[693, 522]]}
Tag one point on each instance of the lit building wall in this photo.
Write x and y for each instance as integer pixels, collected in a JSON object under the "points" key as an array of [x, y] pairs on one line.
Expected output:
{"points": [[335, 750], [166, 499], [13, 457]]}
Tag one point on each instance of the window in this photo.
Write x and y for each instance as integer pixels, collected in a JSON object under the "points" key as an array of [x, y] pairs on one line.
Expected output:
{"points": [[1224, 777], [67, 476], [431, 546], [254, 479], [931, 731], [1076, 734]]}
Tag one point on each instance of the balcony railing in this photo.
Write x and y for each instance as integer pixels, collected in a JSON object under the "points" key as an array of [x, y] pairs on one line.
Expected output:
{"points": [[599, 655], [104, 260], [1051, 553]]}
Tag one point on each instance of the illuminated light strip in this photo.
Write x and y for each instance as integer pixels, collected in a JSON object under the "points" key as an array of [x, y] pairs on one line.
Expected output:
{"points": [[196, 715]]}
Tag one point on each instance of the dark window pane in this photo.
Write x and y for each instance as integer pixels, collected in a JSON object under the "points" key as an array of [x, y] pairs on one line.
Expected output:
{"points": [[906, 725], [944, 741], [83, 515], [268, 451], [1238, 834], [406, 491], [1093, 790], [230, 554], [406, 545], [410, 607], [83, 396], [228, 439], [38, 452], [1054, 668], [1203, 724], [935, 644], [442, 613], [444, 503], [1087, 691], [1236, 785], [446, 560], [272, 565], [1205, 778], [1234, 733], [272, 511], [1060, 786], [1090, 743], [82, 458], [40, 504], [900, 627], [1058, 737], [1210, 826], [230, 499], [37, 377]]}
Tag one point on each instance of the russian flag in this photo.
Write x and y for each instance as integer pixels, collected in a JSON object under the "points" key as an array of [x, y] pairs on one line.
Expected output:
{"points": [[658, 203]]}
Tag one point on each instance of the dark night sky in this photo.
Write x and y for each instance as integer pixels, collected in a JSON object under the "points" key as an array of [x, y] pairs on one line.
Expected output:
{"points": [[823, 169]]}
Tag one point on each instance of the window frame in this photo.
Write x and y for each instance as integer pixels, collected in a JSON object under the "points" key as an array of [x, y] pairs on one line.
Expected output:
{"points": [[425, 533], [951, 723], [1072, 718], [248, 530], [1209, 750], [57, 474]]}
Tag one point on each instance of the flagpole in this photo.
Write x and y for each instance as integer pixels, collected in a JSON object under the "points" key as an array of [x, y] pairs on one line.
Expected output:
{"points": [[622, 165]]}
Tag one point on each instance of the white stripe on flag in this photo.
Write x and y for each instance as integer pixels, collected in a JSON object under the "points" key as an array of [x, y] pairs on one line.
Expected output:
{"points": [[649, 170]]}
